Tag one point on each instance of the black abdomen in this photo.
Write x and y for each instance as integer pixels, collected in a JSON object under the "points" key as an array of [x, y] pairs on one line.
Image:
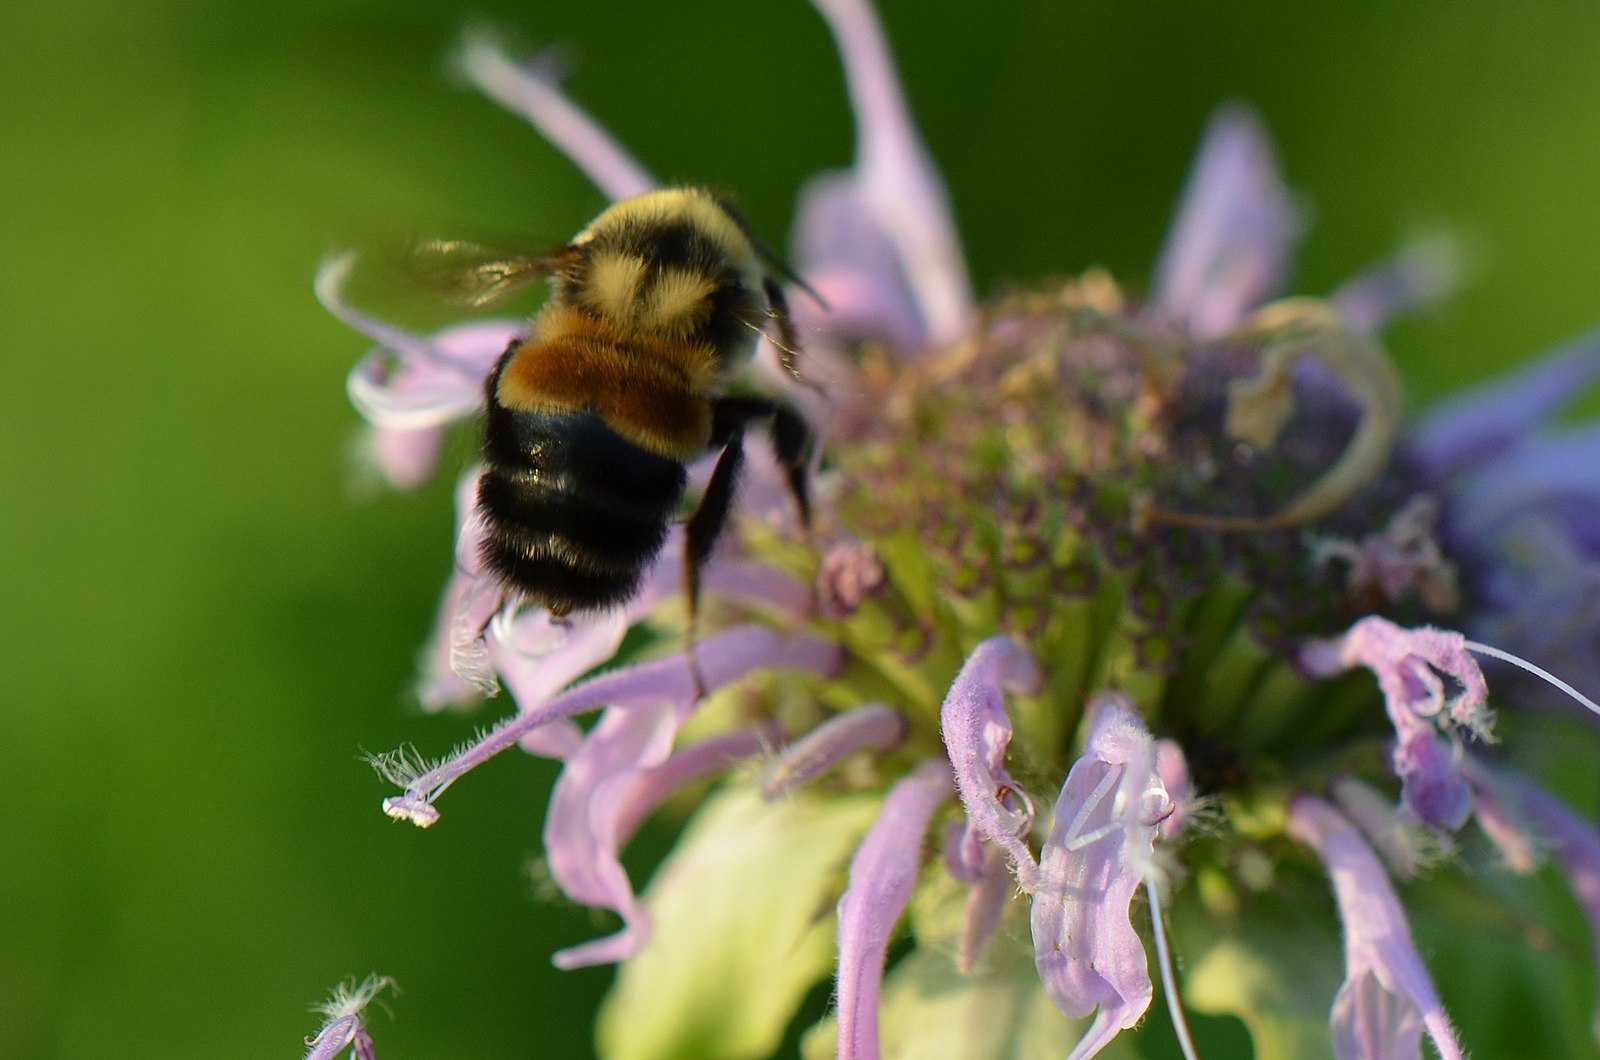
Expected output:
{"points": [[574, 513]]}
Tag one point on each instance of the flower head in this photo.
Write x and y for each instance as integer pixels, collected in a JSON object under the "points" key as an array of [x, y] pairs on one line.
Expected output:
{"points": [[1068, 650]]}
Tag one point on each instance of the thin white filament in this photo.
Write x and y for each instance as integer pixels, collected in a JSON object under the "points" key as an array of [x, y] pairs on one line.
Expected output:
{"points": [[1537, 671], [1169, 981]]}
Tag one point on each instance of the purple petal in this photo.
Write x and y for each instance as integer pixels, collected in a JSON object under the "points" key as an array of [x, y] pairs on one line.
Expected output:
{"points": [[1174, 770], [456, 664], [1483, 422], [851, 573], [1429, 784], [708, 758], [609, 782], [1234, 232], [1408, 664], [411, 382], [1503, 824], [1576, 844], [758, 585], [1404, 845], [721, 658], [469, 640], [1402, 559], [608, 787], [1556, 475], [469, 602], [976, 733], [334, 1038], [432, 383], [1536, 581], [882, 875], [537, 655], [581, 841], [873, 726], [411, 387], [406, 460], [1387, 999], [533, 90], [1099, 851], [899, 187], [964, 853], [855, 267]]}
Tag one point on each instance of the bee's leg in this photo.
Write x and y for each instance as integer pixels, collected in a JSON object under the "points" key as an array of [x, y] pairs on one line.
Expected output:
{"points": [[730, 417], [705, 526], [790, 439]]}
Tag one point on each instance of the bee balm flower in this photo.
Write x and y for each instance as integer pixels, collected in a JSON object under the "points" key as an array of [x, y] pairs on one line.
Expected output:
{"points": [[1116, 611]]}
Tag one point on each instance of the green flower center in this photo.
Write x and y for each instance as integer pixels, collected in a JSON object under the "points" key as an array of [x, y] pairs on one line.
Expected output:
{"points": [[1052, 480]]}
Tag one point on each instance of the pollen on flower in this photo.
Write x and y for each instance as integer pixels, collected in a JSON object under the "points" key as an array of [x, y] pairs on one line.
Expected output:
{"points": [[419, 812]]}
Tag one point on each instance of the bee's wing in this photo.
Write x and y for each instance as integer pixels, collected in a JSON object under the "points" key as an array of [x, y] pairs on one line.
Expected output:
{"points": [[476, 275]]}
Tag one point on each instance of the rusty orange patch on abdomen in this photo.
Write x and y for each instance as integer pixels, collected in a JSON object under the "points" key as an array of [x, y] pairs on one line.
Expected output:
{"points": [[641, 392]]}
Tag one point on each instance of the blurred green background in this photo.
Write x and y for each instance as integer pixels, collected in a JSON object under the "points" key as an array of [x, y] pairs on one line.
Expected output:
{"points": [[204, 628]]}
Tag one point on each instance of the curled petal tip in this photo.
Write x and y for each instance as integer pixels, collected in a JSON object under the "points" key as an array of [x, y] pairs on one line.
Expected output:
{"points": [[331, 277]]}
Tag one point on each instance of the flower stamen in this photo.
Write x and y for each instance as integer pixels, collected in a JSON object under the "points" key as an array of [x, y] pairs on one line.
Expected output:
{"points": [[1538, 671], [1169, 981]]}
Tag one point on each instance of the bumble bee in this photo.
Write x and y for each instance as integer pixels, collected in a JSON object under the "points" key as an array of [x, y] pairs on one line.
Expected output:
{"points": [[622, 380]]}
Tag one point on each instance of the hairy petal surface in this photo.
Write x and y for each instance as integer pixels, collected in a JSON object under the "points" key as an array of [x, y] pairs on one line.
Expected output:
{"points": [[454, 673], [1411, 666], [986, 900], [872, 726], [708, 758], [722, 658], [1099, 851], [976, 732], [583, 832], [581, 839], [881, 877]]}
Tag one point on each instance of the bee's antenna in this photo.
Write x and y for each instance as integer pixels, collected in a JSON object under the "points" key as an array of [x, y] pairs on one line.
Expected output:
{"points": [[777, 265]]}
